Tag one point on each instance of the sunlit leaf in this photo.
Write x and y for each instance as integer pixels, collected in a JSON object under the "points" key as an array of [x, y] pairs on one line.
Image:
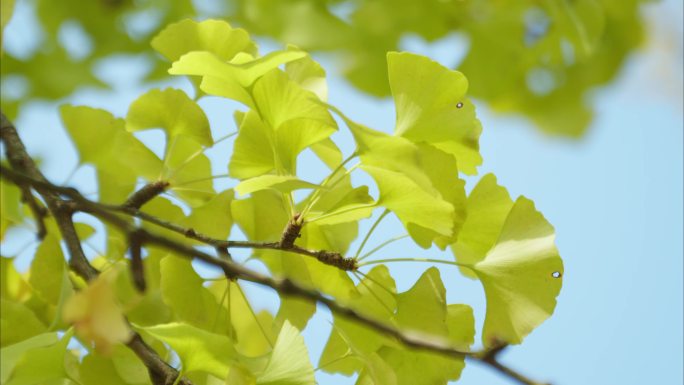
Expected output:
{"points": [[511, 248], [431, 107], [215, 36], [289, 362], [171, 110], [199, 350], [282, 183]]}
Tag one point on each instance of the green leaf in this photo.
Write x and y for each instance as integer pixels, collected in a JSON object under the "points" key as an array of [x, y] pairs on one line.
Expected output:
{"points": [[188, 171], [93, 130], [411, 203], [41, 363], [328, 152], [199, 350], [418, 182], [249, 159], [230, 79], [98, 370], [183, 291], [18, 323], [281, 183], [10, 207], [173, 111], [10, 355], [510, 248], [128, 366], [289, 362], [215, 36], [213, 218], [47, 269], [308, 74], [427, 97], [488, 206], [521, 275]]}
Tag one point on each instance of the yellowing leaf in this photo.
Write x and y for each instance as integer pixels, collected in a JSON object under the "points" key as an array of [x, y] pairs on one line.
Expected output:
{"points": [[96, 315]]}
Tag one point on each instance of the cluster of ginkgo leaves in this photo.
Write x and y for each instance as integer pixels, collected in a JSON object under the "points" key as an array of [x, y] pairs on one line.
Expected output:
{"points": [[209, 325], [535, 58]]}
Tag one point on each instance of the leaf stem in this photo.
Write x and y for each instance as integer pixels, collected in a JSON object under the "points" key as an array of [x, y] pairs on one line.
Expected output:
{"points": [[342, 212], [380, 246], [316, 194], [256, 319], [197, 153], [368, 234], [187, 182], [431, 260]]}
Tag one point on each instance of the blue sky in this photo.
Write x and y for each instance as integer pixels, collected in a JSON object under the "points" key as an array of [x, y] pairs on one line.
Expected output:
{"points": [[614, 197]]}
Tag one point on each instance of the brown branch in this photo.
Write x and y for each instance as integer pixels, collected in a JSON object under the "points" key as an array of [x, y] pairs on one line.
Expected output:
{"points": [[39, 212], [282, 286], [145, 194], [137, 267], [160, 372]]}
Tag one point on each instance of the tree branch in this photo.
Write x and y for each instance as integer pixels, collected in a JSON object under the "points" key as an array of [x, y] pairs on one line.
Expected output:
{"points": [[282, 286], [160, 372], [27, 175]]}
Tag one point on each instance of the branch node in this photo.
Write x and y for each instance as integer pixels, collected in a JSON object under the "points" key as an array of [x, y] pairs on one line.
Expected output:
{"points": [[190, 232], [336, 259], [292, 231]]}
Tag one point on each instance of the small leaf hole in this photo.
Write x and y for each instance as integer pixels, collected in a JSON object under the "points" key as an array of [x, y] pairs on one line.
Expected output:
{"points": [[459, 104], [556, 274]]}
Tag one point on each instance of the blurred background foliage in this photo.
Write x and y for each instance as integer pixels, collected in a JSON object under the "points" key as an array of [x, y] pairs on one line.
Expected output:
{"points": [[536, 58]]}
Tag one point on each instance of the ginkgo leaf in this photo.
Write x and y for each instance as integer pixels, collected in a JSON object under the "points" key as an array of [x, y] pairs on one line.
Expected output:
{"points": [[308, 74], [488, 206], [182, 290], [96, 315], [99, 370], [511, 248], [10, 355], [521, 274], [213, 218], [282, 183], [411, 203], [47, 269], [18, 323], [418, 182], [198, 349], [289, 362], [203, 63], [93, 130], [249, 159], [328, 152], [42, 362], [188, 171], [10, 207], [215, 36], [171, 110], [431, 107]]}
